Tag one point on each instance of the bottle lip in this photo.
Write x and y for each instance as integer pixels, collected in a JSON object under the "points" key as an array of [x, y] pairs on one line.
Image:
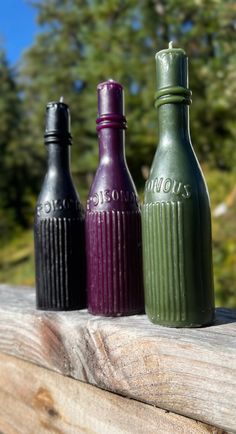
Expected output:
{"points": [[111, 111], [108, 83], [61, 103], [57, 124], [173, 51]]}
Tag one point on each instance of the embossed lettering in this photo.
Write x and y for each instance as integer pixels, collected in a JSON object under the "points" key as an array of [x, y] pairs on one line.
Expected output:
{"points": [[178, 185], [167, 185], [115, 195], [107, 196], [66, 203], [125, 196], [57, 205], [101, 196], [188, 192], [158, 184], [47, 207], [39, 209], [95, 199]]}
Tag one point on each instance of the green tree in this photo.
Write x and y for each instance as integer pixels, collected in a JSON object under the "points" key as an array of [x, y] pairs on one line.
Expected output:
{"points": [[85, 42], [9, 113], [15, 159]]}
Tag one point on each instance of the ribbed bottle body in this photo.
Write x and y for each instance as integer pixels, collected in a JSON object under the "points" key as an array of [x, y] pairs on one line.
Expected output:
{"points": [[177, 251], [114, 261], [60, 263]]}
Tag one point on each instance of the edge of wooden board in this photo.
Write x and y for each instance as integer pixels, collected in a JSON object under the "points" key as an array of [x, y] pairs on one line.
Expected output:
{"points": [[187, 371], [34, 399]]}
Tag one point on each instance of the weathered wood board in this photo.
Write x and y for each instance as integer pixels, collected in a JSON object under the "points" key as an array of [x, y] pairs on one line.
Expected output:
{"points": [[35, 400], [187, 371]]}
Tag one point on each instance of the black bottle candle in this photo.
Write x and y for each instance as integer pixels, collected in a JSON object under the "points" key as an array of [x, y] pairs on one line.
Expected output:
{"points": [[59, 223]]}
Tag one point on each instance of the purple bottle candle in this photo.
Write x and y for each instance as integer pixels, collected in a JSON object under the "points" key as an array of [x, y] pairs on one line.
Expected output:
{"points": [[113, 220]]}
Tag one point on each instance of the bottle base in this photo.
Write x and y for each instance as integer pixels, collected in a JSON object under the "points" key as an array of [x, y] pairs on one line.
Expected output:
{"points": [[202, 322], [116, 314], [61, 309]]}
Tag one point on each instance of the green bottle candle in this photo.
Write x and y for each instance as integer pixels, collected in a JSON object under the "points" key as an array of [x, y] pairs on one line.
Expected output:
{"points": [[176, 220]]}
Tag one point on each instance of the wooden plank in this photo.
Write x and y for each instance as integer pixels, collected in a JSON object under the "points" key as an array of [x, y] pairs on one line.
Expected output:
{"points": [[35, 400], [188, 371]]}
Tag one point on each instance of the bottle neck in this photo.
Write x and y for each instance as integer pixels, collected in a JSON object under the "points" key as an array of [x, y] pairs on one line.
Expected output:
{"points": [[111, 145], [58, 157], [173, 122]]}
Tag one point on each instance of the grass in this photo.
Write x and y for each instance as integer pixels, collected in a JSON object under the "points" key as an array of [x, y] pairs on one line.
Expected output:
{"points": [[17, 260]]}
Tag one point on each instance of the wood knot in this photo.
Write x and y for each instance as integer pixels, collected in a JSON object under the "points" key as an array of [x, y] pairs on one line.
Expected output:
{"points": [[43, 401]]}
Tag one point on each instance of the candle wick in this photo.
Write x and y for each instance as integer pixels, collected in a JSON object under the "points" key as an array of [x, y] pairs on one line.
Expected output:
{"points": [[170, 45], [61, 99]]}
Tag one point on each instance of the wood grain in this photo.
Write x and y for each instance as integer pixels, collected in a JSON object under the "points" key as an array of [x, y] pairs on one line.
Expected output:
{"points": [[35, 400], [187, 371]]}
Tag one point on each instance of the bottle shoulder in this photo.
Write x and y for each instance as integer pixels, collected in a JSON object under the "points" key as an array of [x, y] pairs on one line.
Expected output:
{"points": [[112, 189], [112, 172], [177, 159], [176, 175], [58, 198], [57, 185]]}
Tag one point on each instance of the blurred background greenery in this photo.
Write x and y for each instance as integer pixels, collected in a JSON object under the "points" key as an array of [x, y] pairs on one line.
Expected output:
{"points": [[83, 42]]}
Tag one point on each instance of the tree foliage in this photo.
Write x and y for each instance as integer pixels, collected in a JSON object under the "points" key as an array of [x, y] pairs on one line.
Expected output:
{"points": [[17, 176], [10, 201], [84, 42]]}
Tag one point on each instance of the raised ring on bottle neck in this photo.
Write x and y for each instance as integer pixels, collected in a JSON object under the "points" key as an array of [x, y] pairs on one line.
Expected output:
{"points": [[173, 95], [56, 137], [111, 120]]}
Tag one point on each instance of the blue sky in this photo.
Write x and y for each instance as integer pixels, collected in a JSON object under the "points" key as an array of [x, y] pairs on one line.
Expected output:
{"points": [[18, 27]]}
